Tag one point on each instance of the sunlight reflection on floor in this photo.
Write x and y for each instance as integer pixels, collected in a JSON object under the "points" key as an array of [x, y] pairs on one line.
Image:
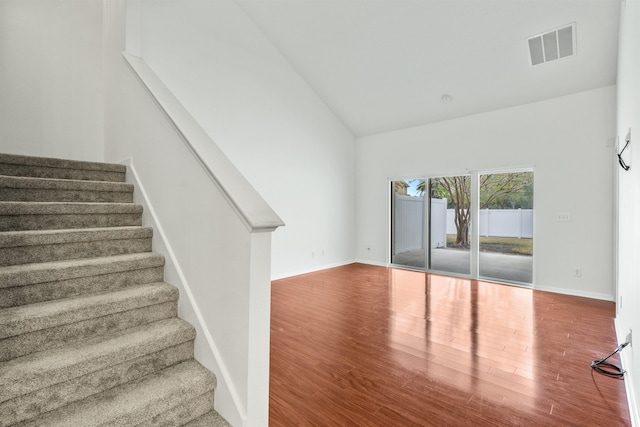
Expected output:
{"points": [[471, 339]]}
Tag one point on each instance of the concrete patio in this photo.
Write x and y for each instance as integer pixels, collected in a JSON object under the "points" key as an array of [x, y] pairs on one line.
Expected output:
{"points": [[497, 266]]}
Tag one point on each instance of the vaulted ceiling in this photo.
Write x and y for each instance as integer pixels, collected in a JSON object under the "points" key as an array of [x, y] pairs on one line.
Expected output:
{"points": [[383, 65]]}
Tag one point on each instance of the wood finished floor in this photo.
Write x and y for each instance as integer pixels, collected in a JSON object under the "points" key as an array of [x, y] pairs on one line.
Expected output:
{"points": [[362, 345]]}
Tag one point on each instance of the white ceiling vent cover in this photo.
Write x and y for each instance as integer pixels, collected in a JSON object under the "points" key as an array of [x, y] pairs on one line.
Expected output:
{"points": [[552, 45]]}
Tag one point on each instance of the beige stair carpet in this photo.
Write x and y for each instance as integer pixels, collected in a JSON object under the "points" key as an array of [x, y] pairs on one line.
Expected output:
{"points": [[89, 333]]}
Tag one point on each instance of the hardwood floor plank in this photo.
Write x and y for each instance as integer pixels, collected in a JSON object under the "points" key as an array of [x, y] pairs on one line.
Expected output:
{"points": [[362, 345]]}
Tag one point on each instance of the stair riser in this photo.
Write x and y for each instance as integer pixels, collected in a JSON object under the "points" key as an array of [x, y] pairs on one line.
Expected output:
{"points": [[62, 335], [210, 419], [60, 173], [183, 413], [37, 195], [22, 320], [39, 292], [67, 221], [171, 402], [47, 399], [73, 250]]}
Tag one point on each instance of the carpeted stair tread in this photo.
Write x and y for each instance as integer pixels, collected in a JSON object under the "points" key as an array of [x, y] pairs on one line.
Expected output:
{"points": [[46, 399], [28, 182], [39, 370], [51, 237], [15, 188], [27, 274], [16, 216], [210, 419], [34, 317], [52, 162], [183, 413], [46, 167], [66, 208], [33, 246], [136, 402], [34, 283], [62, 335]]}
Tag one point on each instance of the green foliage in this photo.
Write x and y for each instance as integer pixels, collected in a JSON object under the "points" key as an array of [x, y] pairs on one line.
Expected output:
{"points": [[506, 191]]}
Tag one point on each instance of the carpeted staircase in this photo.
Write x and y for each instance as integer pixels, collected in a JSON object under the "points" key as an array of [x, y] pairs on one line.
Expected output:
{"points": [[88, 329]]}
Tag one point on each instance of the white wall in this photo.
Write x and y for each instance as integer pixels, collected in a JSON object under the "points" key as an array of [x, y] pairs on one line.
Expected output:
{"points": [[268, 121], [51, 78], [564, 139], [629, 196]]}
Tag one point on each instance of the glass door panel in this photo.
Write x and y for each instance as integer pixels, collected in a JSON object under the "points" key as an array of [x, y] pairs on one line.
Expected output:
{"points": [[506, 227], [408, 219], [450, 219]]}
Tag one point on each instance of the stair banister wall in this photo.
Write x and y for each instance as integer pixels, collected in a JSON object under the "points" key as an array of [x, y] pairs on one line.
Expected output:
{"points": [[215, 230], [249, 205]]}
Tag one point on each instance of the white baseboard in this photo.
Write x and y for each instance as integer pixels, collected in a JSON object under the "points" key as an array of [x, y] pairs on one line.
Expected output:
{"points": [[575, 293], [206, 351], [369, 262], [311, 270], [626, 360]]}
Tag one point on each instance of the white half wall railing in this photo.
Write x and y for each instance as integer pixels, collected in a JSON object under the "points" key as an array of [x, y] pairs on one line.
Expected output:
{"points": [[223, 261], [251, 207]]}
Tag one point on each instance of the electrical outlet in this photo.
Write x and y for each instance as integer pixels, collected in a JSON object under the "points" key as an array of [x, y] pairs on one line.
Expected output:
{"points": [[629, 337], [577, 272], [563, 216]]}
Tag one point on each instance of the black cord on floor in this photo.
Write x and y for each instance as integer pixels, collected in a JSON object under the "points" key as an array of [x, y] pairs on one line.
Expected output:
{"points": [[606, 368]]}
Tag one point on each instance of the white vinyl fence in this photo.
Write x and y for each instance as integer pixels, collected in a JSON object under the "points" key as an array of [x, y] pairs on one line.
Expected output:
{"points": [[409, 223], [500, 222], [410, 220]]}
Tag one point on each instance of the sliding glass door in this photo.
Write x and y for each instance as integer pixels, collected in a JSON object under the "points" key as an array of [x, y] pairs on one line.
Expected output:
{"points": [[506, 227], [450, 219], [430, 223], [408, 221], [433, 220]]}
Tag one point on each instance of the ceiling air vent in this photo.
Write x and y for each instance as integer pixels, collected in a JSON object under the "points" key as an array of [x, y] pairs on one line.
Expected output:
{"points": [[553, 45]]}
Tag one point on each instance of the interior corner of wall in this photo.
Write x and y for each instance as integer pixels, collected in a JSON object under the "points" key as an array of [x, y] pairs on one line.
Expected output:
{"points": [[133, 27], [626, 358]]}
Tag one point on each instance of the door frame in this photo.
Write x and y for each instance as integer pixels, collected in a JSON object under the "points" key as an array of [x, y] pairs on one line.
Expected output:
{"points": [[475, 219]]}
